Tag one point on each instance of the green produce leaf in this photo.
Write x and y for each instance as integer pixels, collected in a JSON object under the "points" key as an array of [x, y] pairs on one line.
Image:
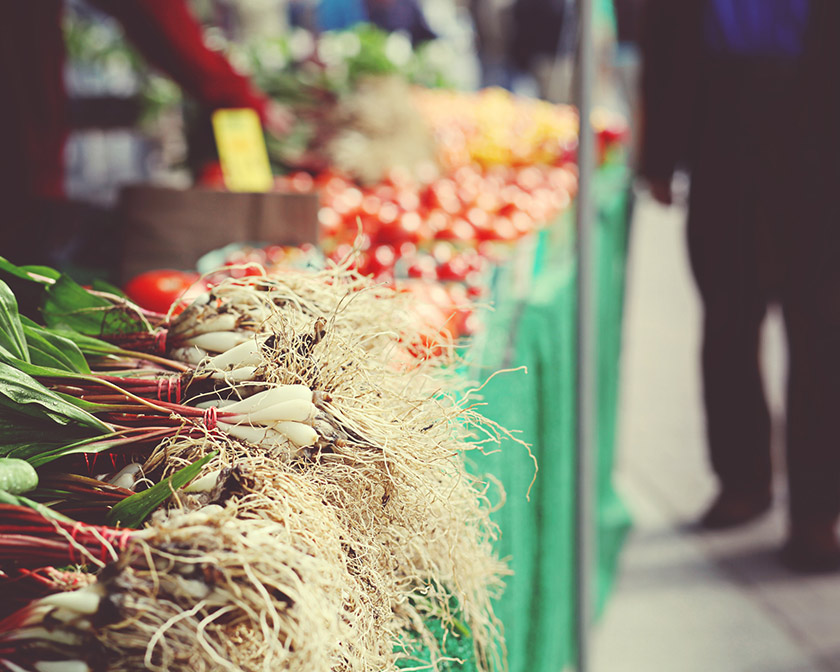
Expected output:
{"points": [[30, 450], [47, 349], [15, 428], [32, 369], [132, 511], [89, 345], [68, 305], [45, 358], [11, 331], [43, 275], [17, 476], [43, 453], [47, 512], [54, 346], [21, 393], [102, 286], [38, 442]]}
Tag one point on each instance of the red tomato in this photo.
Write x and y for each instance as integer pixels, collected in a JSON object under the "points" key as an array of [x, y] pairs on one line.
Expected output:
{"points": [[454, 270], [437, 220], [408, 200], [388, 213], [210, 176], [530, 178], [330, 221], [424, 267], [301, 182], [385, 257], [157, 290], [460, 231], [371, 204]]}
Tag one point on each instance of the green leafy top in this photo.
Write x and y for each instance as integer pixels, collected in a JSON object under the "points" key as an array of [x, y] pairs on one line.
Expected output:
{"points": [[22, 394], [132, 511], [68, 305], [12, 338]]}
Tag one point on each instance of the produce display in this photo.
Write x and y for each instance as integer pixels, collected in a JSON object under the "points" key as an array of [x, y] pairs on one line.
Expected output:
{"points": [[503, 168], [260, 464], [265, 478], [348, 91]]}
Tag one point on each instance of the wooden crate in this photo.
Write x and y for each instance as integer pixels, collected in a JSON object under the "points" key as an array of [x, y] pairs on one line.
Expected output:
{"points": [[173, 228]]}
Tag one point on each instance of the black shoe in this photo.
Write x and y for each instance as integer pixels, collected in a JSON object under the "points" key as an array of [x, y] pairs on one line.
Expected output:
{"points": [[731, 509], [812, 547]]}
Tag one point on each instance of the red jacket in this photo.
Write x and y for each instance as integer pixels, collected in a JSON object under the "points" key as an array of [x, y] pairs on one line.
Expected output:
{"points": [[33, 106]]}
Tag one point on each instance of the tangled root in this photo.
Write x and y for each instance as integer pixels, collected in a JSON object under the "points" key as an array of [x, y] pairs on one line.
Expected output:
{"points": [[334, 556]]}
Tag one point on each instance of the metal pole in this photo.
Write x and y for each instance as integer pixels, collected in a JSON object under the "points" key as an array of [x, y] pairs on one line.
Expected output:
{"points": [[586, 349]]}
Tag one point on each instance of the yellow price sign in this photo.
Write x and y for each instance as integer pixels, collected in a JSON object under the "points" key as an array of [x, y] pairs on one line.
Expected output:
{"points": [[242, 150]]}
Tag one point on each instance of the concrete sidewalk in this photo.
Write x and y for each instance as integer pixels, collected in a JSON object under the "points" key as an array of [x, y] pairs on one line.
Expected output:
{"points": [[689, 601]]}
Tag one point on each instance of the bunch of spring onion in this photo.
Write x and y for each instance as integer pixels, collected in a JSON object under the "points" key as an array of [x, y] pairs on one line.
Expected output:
{"points": [[68, 393], [343, 553], [46, 374]]}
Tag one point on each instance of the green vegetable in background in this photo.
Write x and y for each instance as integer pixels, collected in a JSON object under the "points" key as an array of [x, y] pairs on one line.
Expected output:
{"points": [[17, 476]]}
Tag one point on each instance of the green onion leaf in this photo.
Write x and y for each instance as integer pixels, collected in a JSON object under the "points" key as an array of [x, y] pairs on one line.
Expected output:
{"points": [[132, 511], [23, 394], [45, 511], [68, 305], [54, 345], [89, 345], [12, 338], [40, 274]]}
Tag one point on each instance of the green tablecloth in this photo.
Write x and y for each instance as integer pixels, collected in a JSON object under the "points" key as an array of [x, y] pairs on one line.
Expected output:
{"points": [[533, 325]]}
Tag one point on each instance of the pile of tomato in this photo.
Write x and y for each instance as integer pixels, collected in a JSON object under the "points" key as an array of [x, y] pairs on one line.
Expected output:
{"points": [[444, 228], [506, 167]]}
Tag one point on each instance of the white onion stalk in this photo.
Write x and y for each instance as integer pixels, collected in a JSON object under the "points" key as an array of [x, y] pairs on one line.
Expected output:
{"points": [[298, 433], [256, 435], [56, 635], [62, 666], [241, 375], [214, 403], [219, 341], [12, 667], [82, 601], [275, 395], [217, 322], [204, 484], [127, 476], [298, 410], [190, 355], [244, 354]]}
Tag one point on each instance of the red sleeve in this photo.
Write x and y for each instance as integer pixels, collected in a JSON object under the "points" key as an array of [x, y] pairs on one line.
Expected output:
{"points": [[169, 37]]}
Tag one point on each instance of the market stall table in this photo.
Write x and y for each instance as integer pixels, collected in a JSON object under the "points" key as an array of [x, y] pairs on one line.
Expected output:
{"points": [[533, 326]]}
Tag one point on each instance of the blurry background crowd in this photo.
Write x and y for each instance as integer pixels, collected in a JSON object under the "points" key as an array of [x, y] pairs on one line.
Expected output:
{"points": [[131, 122]]}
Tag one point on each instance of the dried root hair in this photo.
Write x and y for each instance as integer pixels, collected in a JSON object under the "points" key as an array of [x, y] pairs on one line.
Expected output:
{"points": [[324, 558]]}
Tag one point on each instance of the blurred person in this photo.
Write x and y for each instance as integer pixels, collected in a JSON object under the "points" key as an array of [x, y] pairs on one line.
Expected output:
{"points": [[389, 15], [492, 24], [34, 122], [405, 15], [544, 43], [627, 64], [744, 95], [336, 14]]}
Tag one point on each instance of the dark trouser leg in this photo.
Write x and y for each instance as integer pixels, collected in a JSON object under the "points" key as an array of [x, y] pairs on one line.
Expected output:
{"points": [[737, 418], [813, 443], [724, 260]]}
